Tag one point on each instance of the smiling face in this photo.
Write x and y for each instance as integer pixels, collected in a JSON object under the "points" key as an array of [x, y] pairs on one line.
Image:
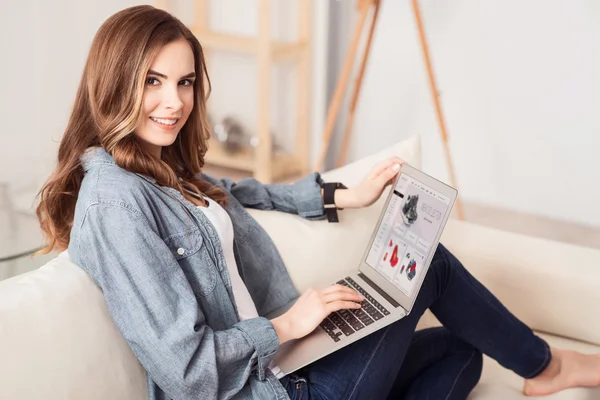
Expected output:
{"points": [[168, 96]]}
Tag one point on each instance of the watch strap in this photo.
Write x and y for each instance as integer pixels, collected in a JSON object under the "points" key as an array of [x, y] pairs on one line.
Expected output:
{"points": [[329, 189]]}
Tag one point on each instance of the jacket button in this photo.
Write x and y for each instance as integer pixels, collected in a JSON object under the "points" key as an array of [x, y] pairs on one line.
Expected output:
{"points": [[180, 251]]}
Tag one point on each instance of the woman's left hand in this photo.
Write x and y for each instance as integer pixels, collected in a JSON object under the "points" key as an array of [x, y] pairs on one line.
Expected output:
{"points": [[369, 190]]}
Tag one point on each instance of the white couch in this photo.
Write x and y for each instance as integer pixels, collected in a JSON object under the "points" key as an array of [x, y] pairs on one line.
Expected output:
{"points": [[57, 340]]}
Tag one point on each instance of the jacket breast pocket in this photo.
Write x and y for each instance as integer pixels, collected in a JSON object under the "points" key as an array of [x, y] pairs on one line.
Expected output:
{"points": [[184, 244], [189, 250]]}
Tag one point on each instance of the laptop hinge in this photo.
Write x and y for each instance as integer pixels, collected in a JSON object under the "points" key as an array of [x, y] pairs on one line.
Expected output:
{"points": [[379, 290]]}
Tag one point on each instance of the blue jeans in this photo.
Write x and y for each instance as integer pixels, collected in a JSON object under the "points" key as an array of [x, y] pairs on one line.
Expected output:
{"points": [[440, 363]]}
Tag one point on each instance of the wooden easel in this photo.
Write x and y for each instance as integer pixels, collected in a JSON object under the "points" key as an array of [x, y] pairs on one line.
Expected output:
{"points": [[364, 8]]}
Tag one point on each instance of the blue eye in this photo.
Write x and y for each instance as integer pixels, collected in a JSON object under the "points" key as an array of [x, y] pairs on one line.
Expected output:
{"points": [[151, 80]]}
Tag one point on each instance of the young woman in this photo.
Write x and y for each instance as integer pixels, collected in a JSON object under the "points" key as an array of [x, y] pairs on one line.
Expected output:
{"points": [[186, 273]]}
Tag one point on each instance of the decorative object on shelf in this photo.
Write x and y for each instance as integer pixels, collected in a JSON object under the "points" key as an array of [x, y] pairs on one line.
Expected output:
{"points": [[233, 137], [364, 8], [230, 134], [260, 158]]}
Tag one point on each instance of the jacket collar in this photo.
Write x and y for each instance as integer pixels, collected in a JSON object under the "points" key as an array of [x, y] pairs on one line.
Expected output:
{"points": [[94, 156], [98, 156]]}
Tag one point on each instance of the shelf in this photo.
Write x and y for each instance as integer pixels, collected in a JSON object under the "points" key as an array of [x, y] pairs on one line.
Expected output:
{"points": [[281, 51], [283, 164], [265, 165]]}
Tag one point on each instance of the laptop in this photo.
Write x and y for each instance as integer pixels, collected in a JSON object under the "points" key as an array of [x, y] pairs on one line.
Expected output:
{"points": [[390, 273]]}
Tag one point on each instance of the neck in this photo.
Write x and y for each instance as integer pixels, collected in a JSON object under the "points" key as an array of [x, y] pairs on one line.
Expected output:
{"points": [[155, 150]]}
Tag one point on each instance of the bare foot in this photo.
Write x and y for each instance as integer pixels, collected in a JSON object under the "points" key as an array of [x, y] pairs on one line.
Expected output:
{"points": [[567, 369]]}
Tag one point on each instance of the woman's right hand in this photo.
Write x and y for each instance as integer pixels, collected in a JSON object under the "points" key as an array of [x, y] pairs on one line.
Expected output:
{"points": [[311, 309]]}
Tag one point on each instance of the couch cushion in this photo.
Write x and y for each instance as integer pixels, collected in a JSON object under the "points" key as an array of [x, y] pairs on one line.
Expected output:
{"points": [[348, 239], [408, 150], [58, 341]]}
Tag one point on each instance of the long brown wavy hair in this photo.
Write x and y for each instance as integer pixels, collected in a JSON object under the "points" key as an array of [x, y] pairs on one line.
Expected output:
{"points": [[108, 108]]}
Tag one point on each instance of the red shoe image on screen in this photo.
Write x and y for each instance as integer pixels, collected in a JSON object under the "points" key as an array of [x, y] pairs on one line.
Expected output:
{"points": [[394, 257]]}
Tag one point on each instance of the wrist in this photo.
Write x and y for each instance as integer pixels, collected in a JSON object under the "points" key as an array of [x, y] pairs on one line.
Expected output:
{"points": [[344, 198], [347, 198], [282, 328]]}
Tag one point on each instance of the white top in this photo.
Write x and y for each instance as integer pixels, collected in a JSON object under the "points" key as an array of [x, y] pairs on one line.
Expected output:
{"points": [[221, 221]]}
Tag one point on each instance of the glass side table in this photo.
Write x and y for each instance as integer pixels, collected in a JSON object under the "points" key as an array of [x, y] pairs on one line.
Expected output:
{"points": [[20, 237]]}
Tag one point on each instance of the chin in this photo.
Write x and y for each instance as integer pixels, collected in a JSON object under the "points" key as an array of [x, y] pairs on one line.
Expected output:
{"points": [[163, 142], [159, 140]]}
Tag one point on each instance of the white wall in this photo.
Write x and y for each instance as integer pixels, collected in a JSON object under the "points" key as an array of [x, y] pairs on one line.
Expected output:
{"points": [[520, 87], [44, 48], [519, 81]]}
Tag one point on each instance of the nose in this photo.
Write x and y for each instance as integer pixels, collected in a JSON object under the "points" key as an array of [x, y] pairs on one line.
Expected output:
{"points": [[172, 99]]}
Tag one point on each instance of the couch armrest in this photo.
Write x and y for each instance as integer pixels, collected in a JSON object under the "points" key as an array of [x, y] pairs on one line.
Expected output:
{"points": [[57, 340], [553, 287]]}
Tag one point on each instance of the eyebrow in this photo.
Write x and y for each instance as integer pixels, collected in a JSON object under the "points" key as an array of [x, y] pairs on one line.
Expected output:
{"points": [[190, 75]]}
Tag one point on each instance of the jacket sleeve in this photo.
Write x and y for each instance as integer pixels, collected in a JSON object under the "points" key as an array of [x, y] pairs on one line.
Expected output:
{"points": [[302, 197], [156, 311]]}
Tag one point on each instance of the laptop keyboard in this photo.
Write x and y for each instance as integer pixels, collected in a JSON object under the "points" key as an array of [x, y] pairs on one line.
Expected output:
{"points": [[346, 322]]}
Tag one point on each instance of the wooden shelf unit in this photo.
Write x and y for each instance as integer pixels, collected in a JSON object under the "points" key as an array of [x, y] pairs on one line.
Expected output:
{"points": [[265, 164], [281, 51], [283, 165]]}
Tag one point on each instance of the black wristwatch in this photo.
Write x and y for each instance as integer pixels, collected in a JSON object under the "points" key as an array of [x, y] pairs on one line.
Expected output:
{"points": [[329, 189]]}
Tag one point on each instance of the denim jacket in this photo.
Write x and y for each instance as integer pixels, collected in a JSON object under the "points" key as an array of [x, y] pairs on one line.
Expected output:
{"points": [[161, 268]]}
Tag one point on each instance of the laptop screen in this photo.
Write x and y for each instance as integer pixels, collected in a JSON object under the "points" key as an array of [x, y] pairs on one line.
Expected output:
{"points": [[407, 231]]}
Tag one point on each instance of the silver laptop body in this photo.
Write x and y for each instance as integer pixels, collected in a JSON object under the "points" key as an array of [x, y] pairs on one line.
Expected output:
{"points": [[390, 273]]}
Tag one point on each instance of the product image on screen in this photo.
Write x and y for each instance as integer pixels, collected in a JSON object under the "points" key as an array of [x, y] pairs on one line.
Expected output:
{"points": [[391, 256], [410, 265], [409, 227]]}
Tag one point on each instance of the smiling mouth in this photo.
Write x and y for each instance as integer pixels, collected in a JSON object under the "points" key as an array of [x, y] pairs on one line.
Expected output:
{"points": [[165, 121]]}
